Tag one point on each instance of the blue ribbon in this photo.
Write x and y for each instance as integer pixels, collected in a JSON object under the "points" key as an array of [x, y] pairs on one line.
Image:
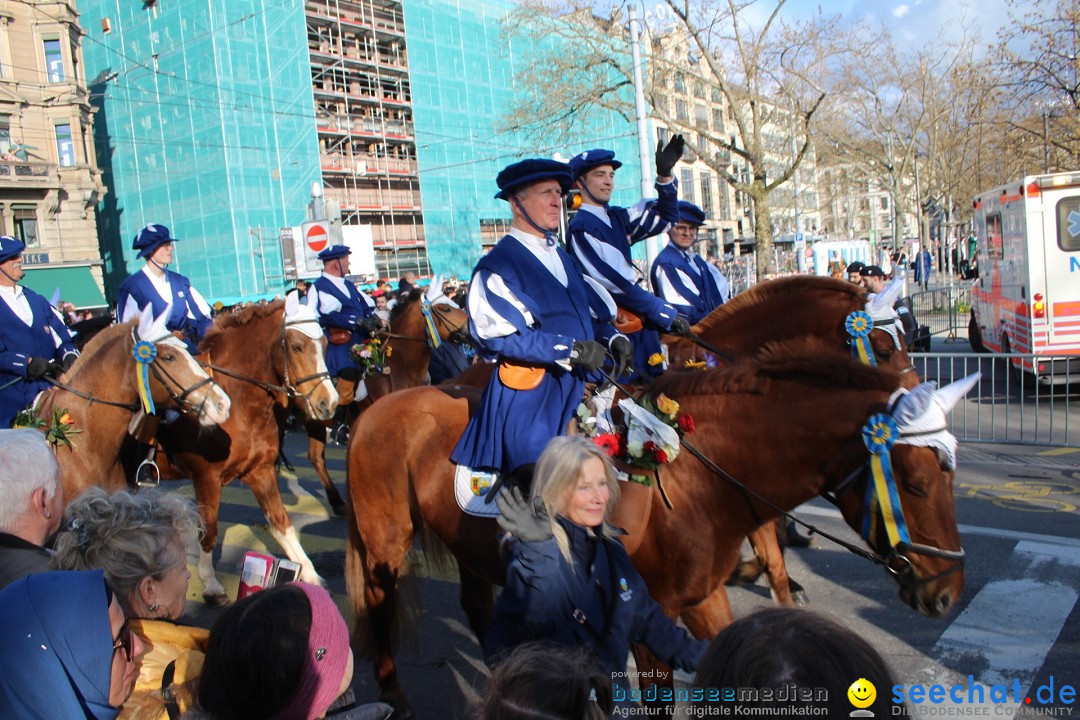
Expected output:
{"points": [[433, 338], [145, 352], [879, 434], [858, 325]]}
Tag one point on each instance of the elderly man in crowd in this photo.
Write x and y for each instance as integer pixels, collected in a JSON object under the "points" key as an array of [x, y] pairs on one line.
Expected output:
{"points": [[31, 503]]}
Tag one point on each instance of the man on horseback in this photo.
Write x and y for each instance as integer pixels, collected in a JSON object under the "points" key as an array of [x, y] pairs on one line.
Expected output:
{"points": [[532, 309], [34, 341], [683, 278], [348, 318], [601, 236], [160, 287]]}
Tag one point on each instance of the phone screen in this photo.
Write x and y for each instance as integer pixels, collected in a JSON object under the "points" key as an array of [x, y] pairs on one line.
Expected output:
{"points": [[287, 572]]}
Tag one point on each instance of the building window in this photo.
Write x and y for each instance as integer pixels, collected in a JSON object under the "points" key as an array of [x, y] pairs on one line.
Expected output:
{"points": [[680, 82], [65, 148], [884, 202], [663, 135], [864, 204], [687, 185], [725, 205], [26, 228], [706, 194], [54, 60], [699, 89], [701, 116], [680, 111], [5, 133], [718, 120]]}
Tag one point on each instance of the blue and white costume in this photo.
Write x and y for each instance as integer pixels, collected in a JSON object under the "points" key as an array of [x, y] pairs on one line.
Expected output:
{"points": [[29, 328], [600, 237], [529, 302], [341, 306], [682, 277], [190, 314]]}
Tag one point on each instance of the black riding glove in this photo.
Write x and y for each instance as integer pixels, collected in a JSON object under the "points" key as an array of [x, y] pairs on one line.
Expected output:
{"points": [[55, 370], [371, 323], [528, 523], [623, 353], [680, 326], [68, 361], [666, 157], [36, 367], [587, 354]]}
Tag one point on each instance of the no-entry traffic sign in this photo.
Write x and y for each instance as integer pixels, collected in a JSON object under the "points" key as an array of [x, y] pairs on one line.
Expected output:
{"points": [[317, 235]]}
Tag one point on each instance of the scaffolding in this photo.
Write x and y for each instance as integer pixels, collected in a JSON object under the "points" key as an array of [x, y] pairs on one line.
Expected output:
{"points": [[364, 120]]}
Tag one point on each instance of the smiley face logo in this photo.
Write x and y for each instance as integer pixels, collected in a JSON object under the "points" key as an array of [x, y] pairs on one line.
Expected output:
{"points": [[862, 693]]}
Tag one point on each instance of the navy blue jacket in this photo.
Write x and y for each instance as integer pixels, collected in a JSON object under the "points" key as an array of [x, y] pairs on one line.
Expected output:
{"points": [[139, 288], [354, 307], [601, 603], [18, 342]]}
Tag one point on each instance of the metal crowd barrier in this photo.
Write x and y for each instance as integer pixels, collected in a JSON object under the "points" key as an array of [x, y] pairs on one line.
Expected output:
{"points": [[1007, 405], [943, 310]]}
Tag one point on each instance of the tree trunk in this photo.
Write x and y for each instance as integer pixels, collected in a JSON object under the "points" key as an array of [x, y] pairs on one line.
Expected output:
{"points": [[763, 244]]}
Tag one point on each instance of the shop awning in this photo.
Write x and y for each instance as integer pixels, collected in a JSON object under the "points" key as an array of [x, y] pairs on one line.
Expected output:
{"points": [[76, 284]]}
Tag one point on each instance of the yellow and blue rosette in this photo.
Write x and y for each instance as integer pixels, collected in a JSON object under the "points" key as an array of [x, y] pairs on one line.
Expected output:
{"points": [[434, 340], [145, 352], [880, 433], [858, 325]]}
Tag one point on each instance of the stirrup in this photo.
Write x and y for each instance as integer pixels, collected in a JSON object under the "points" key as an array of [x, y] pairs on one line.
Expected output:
{"points": [[148, 474]]}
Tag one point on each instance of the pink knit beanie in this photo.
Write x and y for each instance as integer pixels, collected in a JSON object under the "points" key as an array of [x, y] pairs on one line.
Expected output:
{"points": [[326, 659]]}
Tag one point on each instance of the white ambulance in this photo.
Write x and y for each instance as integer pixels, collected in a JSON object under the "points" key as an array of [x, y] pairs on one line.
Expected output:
{"points": [[1027, 296]]}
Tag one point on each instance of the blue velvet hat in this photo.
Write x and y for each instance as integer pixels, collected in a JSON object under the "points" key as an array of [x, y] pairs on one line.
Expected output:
{"points": [[10, 247], [150, 238], [691, 213], [527, 172], [334, 252], [589, 159]]}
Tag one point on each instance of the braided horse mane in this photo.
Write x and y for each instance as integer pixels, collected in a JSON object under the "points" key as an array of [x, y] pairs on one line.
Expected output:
{"points": [[805, 360]]}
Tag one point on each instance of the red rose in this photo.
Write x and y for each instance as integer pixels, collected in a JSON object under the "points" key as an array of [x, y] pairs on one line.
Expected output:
{"points": [[609, 443], [649, 446], [661, 456], [686, 423]]}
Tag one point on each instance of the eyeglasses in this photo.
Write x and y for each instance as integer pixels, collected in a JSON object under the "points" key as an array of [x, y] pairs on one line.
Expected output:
{"points": [[685, 229], [123, 641]]}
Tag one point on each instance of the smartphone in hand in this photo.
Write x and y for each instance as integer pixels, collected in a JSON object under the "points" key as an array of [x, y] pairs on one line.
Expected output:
{"points": [[287, 571], [256, 575]]}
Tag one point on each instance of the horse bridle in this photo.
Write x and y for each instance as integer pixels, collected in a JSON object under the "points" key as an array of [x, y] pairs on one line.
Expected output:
{"points": [[291, 388], [161, 375], [458, 334]]}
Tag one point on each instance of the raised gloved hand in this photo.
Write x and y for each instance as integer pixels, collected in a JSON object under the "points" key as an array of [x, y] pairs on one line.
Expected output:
{"points": [[527, 522], [36, 368], [666, 157], [587, 354], [623, 353], [680, 326]]}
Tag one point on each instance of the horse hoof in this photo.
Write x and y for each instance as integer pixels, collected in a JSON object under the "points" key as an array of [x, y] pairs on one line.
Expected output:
{"points": [[800, 598], [216, 599], [340, 509]]}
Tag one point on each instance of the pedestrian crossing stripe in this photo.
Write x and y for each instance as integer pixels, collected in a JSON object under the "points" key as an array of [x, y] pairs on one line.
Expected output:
{"points": [[1059, 451]]}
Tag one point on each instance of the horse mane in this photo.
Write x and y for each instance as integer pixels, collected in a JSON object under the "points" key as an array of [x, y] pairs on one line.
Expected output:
{"points": [[240, 315], [806, 360], [104, 339], [792, 288], [401, 306]]}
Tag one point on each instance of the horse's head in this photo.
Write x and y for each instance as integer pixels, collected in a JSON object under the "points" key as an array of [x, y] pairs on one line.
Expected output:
{"points": [[174, 378], [303, 345], [451, 322], [912, 465], [887, 336]]}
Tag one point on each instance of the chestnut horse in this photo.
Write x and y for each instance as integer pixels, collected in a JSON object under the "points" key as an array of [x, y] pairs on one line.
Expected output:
{"points": [[814, 404], [100, 392], [408, 364], [265, 356]]}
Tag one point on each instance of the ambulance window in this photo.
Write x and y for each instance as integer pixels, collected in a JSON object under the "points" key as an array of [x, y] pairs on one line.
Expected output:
{"points": [[994, 247], [1068, 221]]}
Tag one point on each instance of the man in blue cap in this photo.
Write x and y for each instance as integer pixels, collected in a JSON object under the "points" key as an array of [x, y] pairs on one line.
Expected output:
{"points": [[160, 287], [347, 317], [682, 277], [548, 326], [601, 236], [34, 341]]}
